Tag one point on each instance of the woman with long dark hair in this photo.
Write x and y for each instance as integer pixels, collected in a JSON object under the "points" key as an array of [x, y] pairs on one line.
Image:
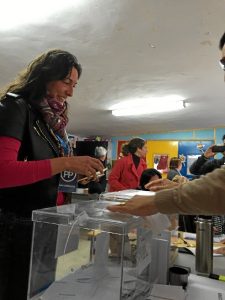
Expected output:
{"points": [[34, 150], [127, 171]]}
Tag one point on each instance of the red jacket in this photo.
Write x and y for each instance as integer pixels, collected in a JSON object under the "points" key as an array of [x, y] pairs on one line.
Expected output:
{"points": [[124, 174]]}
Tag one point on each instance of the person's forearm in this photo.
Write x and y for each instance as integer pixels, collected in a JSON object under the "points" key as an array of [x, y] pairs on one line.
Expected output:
{"points": [[197, 165], [201, 196], [18, 173], [153, 209], [59, 165]]}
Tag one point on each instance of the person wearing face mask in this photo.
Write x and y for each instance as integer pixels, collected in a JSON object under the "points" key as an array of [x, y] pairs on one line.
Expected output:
{"points": [[127, 171], [34, 151], [203, 196]]}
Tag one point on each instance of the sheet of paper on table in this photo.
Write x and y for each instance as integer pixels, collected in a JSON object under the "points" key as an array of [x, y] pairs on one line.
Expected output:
{"points": [[167, 292], [192, 236]]}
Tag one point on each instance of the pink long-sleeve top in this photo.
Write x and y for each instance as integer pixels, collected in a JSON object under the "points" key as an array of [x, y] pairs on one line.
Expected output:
{"points": [[16, 173]]}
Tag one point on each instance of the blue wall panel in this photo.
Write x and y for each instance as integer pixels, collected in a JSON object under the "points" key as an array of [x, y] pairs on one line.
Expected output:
{"points": [[204, 134], [219, 134], [186, 148], [191, 135]]}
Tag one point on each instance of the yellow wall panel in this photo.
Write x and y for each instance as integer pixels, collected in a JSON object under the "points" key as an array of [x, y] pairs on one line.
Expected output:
{"points": [[160, 147]]}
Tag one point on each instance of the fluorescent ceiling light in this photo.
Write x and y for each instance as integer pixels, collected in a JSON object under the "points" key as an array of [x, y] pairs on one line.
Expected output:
{"points": [[148, 106]]}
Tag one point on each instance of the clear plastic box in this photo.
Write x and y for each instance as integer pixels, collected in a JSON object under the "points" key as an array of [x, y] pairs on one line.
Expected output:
{"points": [[82, 251], [124, 195]]}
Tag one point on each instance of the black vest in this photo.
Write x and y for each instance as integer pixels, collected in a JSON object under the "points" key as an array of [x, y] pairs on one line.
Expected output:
{"points": [[20, 121]]}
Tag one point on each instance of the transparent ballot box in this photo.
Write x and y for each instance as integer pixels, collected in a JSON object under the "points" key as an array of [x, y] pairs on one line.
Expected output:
{"points": [[82, 251]]}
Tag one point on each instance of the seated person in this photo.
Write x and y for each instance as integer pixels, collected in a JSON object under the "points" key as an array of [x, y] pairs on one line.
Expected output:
{"points": [[98, 185], [150, 175], [147, 176], [175, 166]]}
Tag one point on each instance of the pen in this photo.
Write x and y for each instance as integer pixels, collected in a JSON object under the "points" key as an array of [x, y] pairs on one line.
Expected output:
{"points": [[185, 242], [217, 277], [98, 174]]}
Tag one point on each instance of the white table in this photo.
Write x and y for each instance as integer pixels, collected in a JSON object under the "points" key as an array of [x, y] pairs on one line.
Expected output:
{"points": [[203, 288]]}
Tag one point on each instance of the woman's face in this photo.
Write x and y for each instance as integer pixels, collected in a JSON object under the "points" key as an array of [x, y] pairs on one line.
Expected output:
{"points": [[141, 152], [62, 89]]}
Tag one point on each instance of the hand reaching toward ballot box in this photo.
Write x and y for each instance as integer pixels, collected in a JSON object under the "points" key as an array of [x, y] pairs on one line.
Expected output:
{"points": [[163, 184]]}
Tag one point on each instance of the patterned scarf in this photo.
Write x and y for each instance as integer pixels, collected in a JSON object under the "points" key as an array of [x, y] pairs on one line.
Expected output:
{"points": [[54, 113]]}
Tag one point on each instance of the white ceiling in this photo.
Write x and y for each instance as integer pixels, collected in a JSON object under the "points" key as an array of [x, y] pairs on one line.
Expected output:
{"points": [[128, 49]]}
